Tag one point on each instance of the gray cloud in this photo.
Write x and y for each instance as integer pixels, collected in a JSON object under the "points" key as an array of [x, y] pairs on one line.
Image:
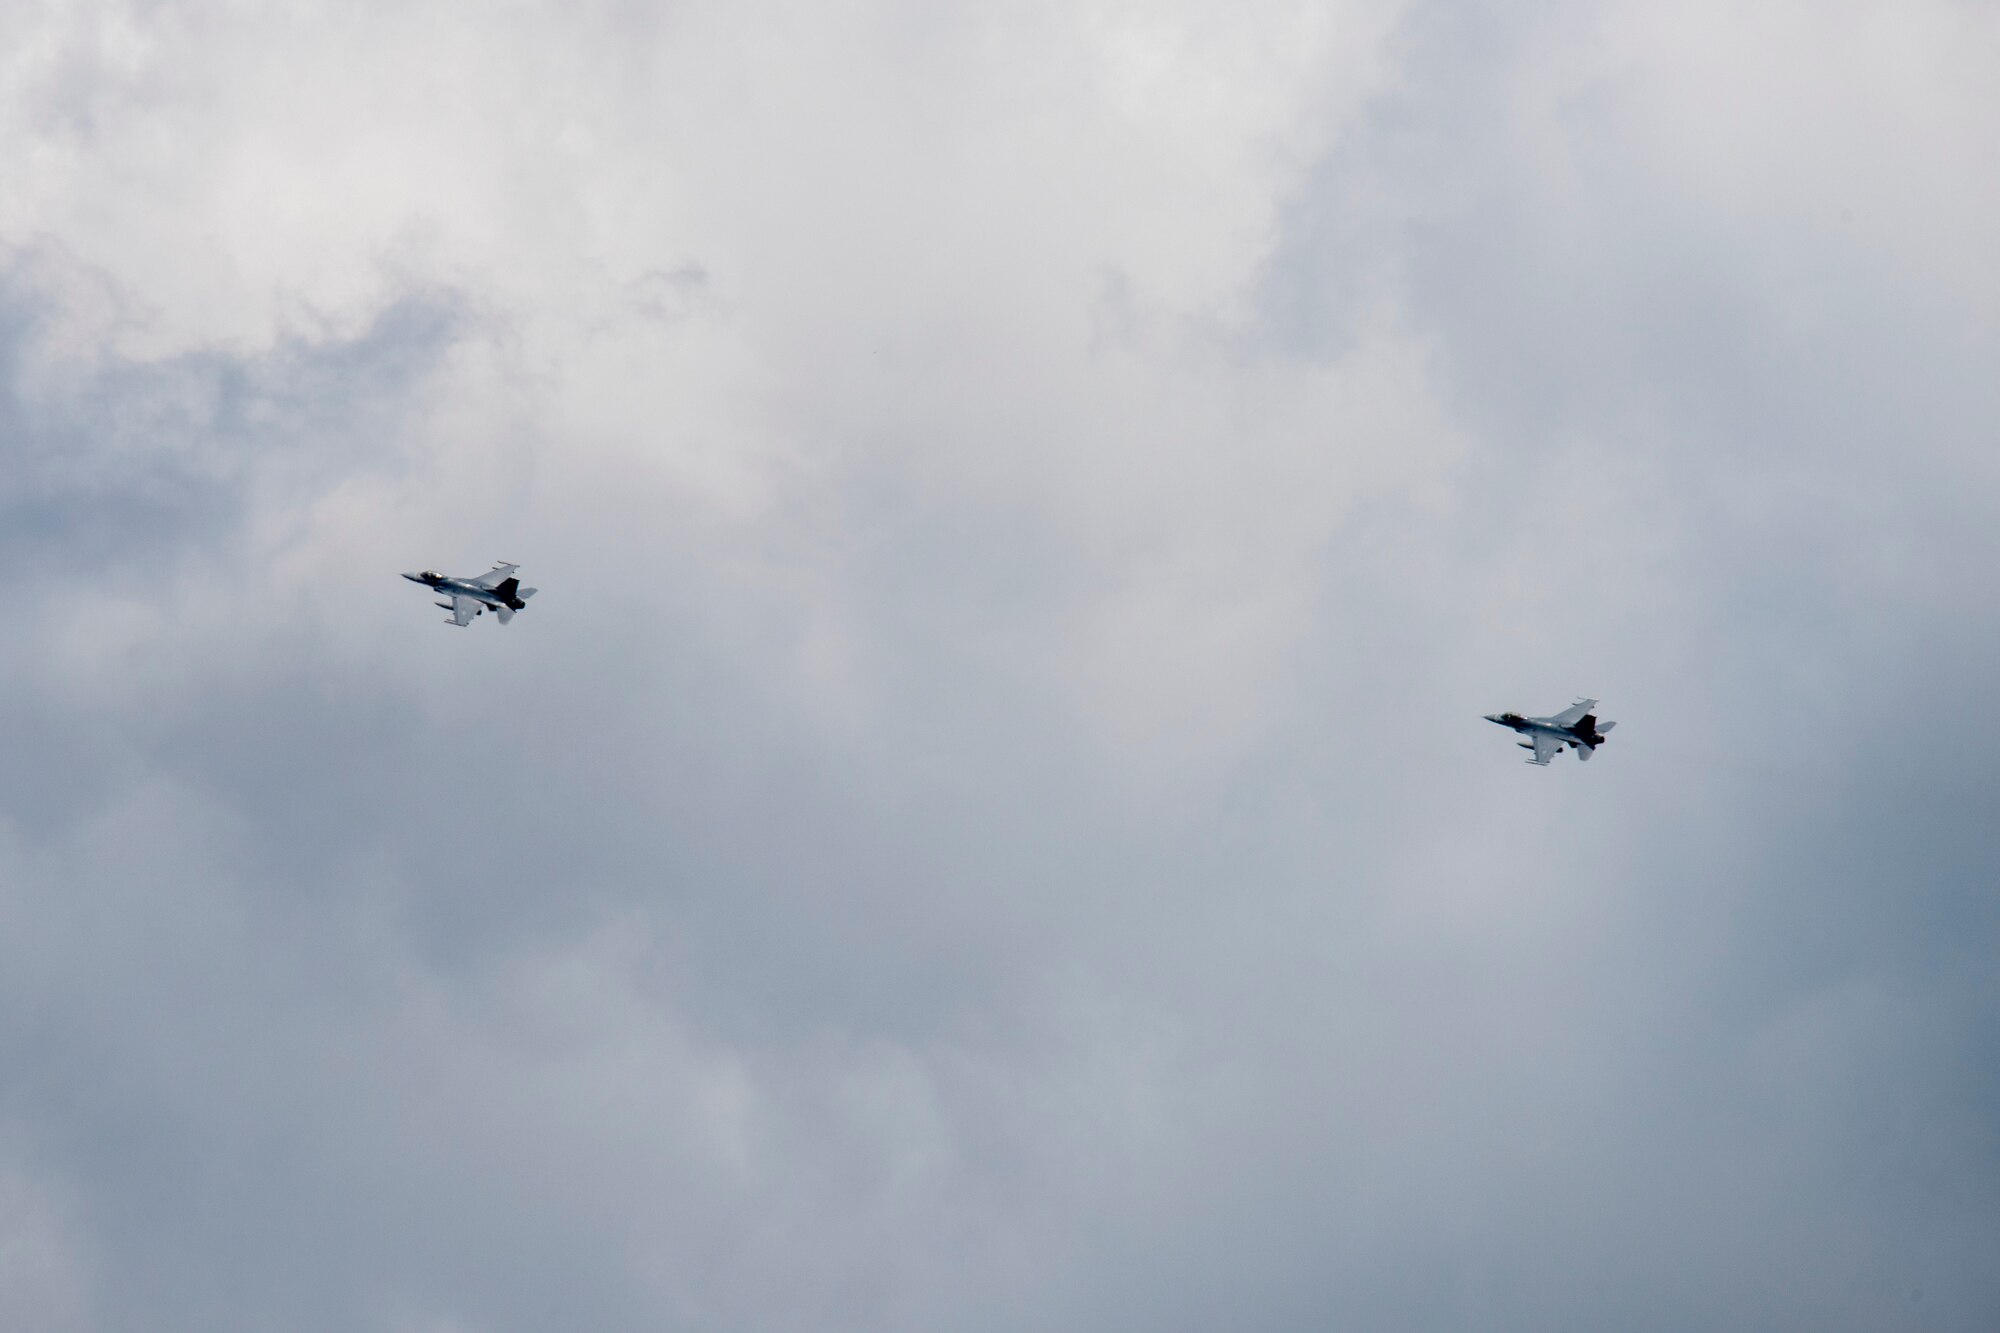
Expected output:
{"points": [[987, 824]]}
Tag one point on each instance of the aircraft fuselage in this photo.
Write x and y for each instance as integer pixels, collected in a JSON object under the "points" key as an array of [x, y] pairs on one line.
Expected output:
{"points": [[1583, 734], [496, 597]]}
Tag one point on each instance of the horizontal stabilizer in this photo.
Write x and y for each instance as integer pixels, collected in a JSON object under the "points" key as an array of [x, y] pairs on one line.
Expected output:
{"points": [[1584, 752], [525, 593], [506, 613], [1603, 727]]}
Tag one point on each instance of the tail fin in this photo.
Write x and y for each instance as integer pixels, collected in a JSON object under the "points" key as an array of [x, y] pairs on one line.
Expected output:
{"points": [[506, 588], [506, 613]]}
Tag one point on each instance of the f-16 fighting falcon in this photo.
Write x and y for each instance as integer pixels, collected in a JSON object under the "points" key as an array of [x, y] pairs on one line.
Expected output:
{"points": [[497, 588], [1576, 726]]}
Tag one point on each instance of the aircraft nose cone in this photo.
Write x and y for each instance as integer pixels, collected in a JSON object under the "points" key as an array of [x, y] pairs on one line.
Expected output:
{"points": [[1492, 717], [414, 578]]}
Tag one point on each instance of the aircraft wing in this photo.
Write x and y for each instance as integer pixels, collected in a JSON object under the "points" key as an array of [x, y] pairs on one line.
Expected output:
{"points": [[497, 575], [463, 609], [1546, 748], [1572, 715]]}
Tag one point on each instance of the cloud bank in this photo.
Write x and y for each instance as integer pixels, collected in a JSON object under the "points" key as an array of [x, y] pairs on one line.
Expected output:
{"points": [[987, 825]]}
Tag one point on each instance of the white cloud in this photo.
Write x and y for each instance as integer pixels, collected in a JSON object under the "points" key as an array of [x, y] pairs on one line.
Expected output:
{"points": [[1867, 122], [987, 823]]}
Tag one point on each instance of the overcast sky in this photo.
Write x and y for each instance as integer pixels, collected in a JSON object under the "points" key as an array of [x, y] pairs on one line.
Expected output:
{"points": [[988, 824]]}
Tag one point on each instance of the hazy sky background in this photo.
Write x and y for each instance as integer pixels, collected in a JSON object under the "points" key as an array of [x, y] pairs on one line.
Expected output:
{"points": [[988, 824]]}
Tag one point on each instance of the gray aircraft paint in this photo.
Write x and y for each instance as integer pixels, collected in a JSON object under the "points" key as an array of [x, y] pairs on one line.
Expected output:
{"points": [[503, 596], [1575, 728]]}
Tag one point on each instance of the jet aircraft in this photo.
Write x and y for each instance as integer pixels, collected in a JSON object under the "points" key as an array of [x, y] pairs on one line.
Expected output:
{"points": [[1576, 727], [496, 589]]}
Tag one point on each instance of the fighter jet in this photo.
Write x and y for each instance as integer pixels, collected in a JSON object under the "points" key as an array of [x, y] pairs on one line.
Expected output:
{"points": [[1576, 726], [497, 588]]}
